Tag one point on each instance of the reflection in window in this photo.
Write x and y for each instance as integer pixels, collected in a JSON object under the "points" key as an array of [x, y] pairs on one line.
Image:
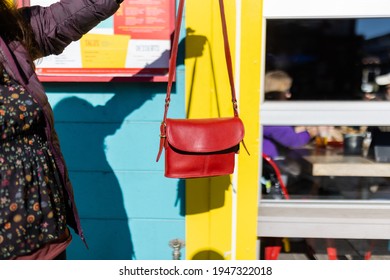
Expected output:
{"points": [[331, 59], [326, 162]]}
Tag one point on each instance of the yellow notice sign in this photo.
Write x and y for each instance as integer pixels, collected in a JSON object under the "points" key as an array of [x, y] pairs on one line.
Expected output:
{"points": [[104, 51]]}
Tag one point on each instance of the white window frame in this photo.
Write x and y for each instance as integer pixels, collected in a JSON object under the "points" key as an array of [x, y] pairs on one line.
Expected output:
{"points": [[333, 218]]}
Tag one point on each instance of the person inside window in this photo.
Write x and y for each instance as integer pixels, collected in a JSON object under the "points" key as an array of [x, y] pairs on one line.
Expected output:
{"points": [[277, 85], [279, 140]]}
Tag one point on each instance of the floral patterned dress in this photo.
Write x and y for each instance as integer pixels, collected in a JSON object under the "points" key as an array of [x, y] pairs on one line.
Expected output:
{"points": [[32, 207]]}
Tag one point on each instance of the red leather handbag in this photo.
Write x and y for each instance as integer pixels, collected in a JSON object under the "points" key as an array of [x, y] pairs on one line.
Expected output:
{"points": [[196, 148]]}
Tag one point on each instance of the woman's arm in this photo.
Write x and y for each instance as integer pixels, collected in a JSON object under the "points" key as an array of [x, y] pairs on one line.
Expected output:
{"points": [[286, 136], [57, 25]]}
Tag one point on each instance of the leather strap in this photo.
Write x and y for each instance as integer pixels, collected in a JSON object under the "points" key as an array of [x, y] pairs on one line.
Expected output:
{"points": [[172, 67]]}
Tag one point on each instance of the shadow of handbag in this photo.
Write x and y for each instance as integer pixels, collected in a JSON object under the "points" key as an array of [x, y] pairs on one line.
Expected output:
{"points": [[197, 148]]}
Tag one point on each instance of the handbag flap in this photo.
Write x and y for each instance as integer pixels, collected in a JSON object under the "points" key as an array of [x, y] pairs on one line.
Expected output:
{"points": [[204, 135]]}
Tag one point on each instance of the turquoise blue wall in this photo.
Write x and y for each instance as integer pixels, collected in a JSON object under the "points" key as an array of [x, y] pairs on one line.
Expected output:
{"points": [[109, 134]]}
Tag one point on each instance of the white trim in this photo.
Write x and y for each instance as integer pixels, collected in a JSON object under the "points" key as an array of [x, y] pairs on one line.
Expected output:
{"points": [[237, 87], [329, 8], [325, 113], [324, 219]]}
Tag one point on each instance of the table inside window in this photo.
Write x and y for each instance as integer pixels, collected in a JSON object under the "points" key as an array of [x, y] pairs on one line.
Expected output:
{"points": [[345, 165]]}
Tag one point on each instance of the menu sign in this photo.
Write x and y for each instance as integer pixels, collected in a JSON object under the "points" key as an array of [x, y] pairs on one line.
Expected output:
{"points": [[132, 44]]}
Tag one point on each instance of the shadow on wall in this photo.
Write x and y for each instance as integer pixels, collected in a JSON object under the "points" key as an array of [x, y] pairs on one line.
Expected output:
{"points": [[207, 255], [180, 198], [206, 193], [82, 129]]}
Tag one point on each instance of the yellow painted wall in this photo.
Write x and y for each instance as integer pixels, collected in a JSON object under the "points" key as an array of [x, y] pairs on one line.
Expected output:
{"points": [[248, 168], [209, 202]]}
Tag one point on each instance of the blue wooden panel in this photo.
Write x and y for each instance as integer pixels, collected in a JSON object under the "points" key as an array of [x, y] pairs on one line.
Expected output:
{"points": [[110, 152], [151, 238], [106, 239], [149, 195], [148, 241], [112, 102], [122, 195], [104, 147], [135, 147], [98, 195]]}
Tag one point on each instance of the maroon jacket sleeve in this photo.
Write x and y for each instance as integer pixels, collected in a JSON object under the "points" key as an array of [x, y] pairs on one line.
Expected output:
{"points": [[57, 25]]}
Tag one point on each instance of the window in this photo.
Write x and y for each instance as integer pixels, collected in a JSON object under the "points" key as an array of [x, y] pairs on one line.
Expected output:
{"points": [[334, 100]]}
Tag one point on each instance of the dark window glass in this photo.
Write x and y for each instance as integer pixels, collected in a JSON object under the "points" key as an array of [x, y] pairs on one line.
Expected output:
{"points": [[330, 59]]}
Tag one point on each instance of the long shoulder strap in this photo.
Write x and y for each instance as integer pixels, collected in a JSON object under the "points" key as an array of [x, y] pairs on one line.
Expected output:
{"points": [[172, 66], [172, 62], [228, 57]]}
